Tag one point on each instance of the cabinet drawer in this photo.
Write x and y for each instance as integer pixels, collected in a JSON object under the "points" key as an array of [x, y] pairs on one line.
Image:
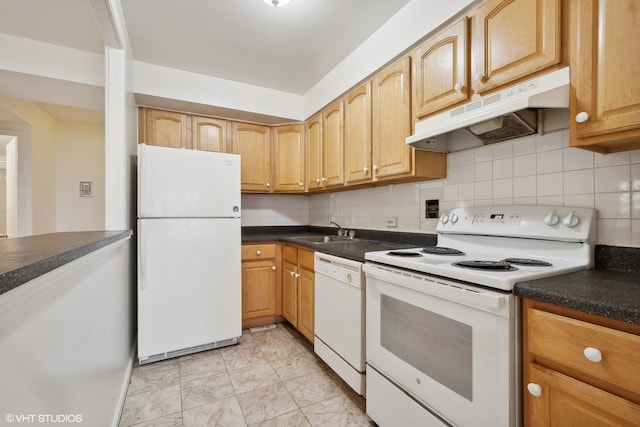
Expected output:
{"points": [[305, 259], [564, 340], [258, 251]]}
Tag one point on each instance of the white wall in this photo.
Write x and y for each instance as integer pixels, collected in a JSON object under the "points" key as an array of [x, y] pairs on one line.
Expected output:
{"points": [[79, 156], [538, 170], [274, 209]]}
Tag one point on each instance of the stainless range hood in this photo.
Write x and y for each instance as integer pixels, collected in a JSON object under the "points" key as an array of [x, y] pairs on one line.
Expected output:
{"points": [[508, 114]]}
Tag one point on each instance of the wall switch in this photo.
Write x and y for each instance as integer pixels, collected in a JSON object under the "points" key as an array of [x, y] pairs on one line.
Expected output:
{"points": [[391, 221]]}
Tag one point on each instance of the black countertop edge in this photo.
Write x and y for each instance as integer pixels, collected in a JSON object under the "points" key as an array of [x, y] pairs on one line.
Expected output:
{"points": [[606, 293], [26, 258], [366, 240]]}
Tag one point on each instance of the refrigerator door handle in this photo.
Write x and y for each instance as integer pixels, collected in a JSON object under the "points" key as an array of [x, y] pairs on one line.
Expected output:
{"points": [[141, 255]]}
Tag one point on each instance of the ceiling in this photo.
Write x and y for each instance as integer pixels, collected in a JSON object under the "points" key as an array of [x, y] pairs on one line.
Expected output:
{"points": [[287, 48]]}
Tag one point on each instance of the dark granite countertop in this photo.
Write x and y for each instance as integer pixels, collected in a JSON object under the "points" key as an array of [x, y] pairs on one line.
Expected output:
{"points": [[611, 290], [24, 258], [367, 240]]}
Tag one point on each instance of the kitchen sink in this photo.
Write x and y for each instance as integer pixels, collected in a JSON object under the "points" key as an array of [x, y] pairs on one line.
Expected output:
{"points": [[325, 239]]}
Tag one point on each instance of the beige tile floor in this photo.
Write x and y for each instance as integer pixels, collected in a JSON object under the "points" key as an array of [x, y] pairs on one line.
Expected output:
{"points": [[271, 378]]}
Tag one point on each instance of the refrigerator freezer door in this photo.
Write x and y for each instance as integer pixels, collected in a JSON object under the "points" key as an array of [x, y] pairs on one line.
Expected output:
{"points": [[189, 283], [174, 183]]}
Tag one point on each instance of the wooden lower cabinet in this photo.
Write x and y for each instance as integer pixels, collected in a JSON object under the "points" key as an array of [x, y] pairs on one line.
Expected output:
{"points": [[298, 289], [260, 285], [579, 369]]}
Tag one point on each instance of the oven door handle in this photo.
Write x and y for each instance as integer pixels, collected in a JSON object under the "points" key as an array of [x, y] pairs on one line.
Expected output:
{"points": [[477, 298]]}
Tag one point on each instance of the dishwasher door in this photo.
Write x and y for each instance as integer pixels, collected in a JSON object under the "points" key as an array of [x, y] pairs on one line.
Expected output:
{"points": [[340, 317]]}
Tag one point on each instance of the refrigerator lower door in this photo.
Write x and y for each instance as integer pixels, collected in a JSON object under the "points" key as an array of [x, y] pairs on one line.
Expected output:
{"points": [[189, 285]]}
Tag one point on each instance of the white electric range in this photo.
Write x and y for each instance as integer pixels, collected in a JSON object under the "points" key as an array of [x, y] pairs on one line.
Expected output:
{"points": [[443, 338]]}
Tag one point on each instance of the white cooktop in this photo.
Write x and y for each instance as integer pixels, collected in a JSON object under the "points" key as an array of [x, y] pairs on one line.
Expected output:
{"points": [[564, 237]]}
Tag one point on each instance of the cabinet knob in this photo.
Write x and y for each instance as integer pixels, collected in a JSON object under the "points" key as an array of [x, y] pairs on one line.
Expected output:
{"points": [[458, 87], [323, 179], [258, 252], [273, 267], [268, 184], [375, 168], [301, 184], [479, 77], [317, 180], [582, 117], [292, 273], [365, 169], [297, 275], [534, 389], [593, 354]]}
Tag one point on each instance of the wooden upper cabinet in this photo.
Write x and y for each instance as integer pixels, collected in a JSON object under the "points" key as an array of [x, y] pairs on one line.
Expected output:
{"points": [[441, 70], [332, 145], [514, 38], [166, 128], [391, 100], [289, 158], [314, 153], [253, 143], [605, 62], [209, 134], [357, 135]]}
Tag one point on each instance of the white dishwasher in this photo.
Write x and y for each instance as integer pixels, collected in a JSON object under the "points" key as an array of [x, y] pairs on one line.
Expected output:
{"points": [[340, 317]]}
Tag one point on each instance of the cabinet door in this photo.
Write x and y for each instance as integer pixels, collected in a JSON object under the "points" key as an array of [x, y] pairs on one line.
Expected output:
{"points": [[288, 158], [258, 288], [332, 146], [392, 120], [167, 129], [605, 59], [290, 292], [209, 134], [306, 301], [357, 135], [514, 38], [253, 144], [564, 401], [441, 70], [314, 153]]}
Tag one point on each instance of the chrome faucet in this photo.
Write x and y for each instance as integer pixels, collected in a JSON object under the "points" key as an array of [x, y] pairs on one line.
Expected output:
{"points": [[341, 231]]}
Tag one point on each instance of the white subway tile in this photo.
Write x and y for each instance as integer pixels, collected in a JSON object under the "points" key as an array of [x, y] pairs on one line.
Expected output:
{"points": [[508, 201], [578, 182], [483, 190], [524, 165], [576, 158], [524, 201], [635, 205], [502, 150], [635, 233], [613, 205], [502, 188], [635, 156], [635, 177], [466, 173], [548, 142], [484, 171], [524, 186], [466, 191], [503, 168], [550, 200], [526, 145], [549, 161], [450, 193], [612, 159], [615, 232], [549, 184], [483, 154], [612, 178], [579, 200]]}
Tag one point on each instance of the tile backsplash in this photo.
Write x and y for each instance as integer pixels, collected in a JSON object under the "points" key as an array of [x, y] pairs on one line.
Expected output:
{"points": [[537, 170]]}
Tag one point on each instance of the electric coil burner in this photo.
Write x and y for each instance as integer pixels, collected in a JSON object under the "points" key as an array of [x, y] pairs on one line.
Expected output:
{"points": [[442, 325], [441, 250]]}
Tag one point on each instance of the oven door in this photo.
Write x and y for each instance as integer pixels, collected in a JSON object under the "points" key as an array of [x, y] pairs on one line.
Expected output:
{"points": [[452, 347]]}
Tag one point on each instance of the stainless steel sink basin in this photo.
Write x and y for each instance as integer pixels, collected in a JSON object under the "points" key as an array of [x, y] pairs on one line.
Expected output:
{"points": [[324, 239]]}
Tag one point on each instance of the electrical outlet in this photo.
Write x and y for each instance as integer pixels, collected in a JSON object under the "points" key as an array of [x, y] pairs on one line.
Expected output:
{"points": [[391, 221]]}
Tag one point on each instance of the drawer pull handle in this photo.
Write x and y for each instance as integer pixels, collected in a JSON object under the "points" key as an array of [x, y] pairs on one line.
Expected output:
{"points": [[534, 389], [593, 354]]}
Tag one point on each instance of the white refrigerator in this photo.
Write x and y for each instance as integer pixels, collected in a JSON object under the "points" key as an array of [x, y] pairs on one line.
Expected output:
{"points": [[189, 251]]}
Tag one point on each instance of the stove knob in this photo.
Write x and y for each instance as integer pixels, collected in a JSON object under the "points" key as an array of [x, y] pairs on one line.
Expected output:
{"points": [[444, 218], [453, 218], [551, 219], [570, 220]]}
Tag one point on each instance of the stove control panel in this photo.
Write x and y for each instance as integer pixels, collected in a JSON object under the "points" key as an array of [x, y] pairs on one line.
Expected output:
{"points": [[536, 222]]}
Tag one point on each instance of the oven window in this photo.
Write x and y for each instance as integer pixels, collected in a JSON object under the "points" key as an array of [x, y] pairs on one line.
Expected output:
{"points": [[438, 346]]}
